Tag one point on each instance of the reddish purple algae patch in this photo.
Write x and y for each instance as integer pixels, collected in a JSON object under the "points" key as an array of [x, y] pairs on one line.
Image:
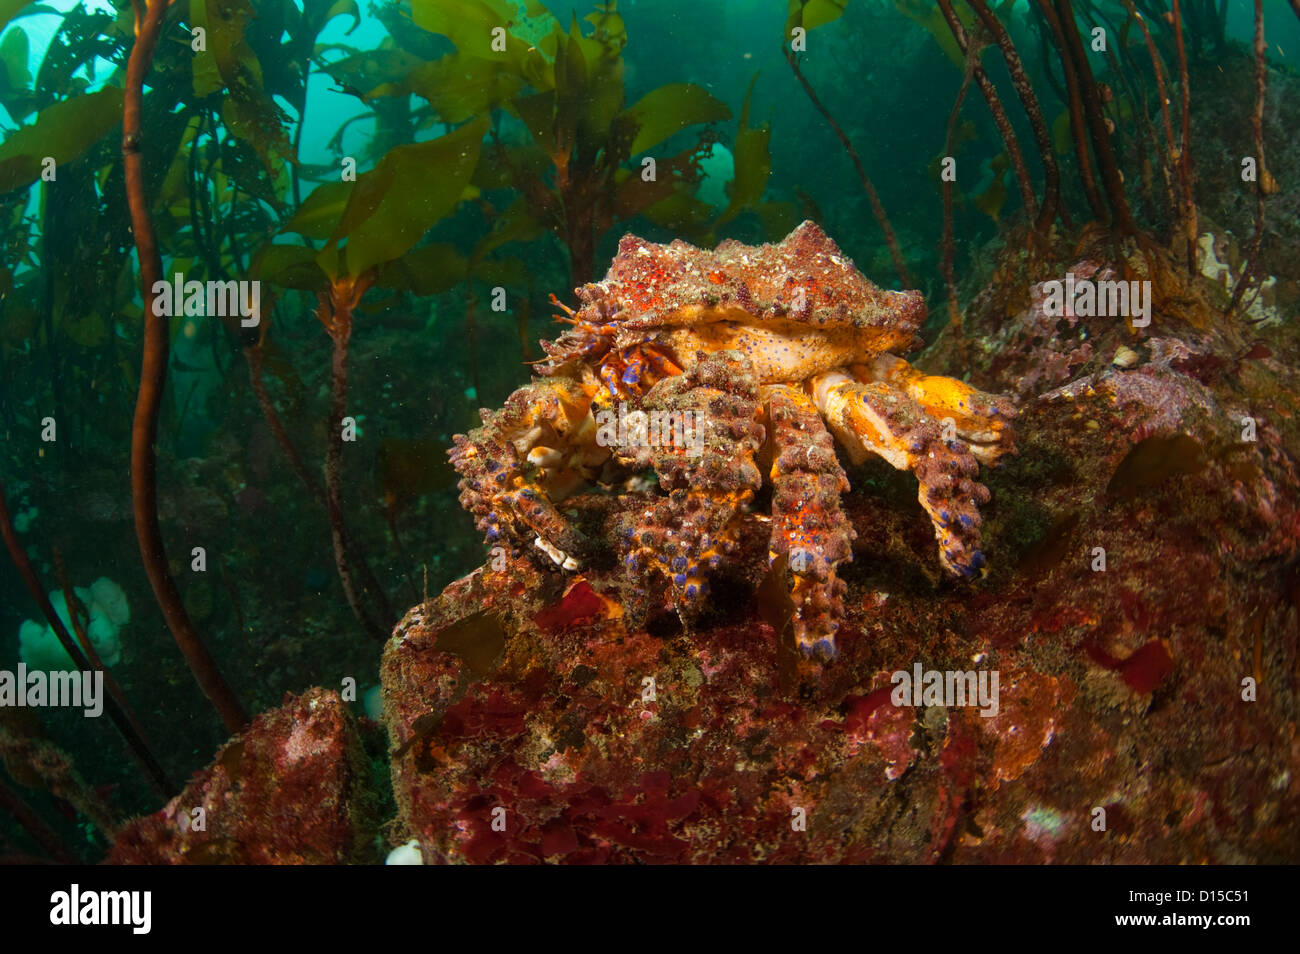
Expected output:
{"points": [[1141, 609], [293, 789]]}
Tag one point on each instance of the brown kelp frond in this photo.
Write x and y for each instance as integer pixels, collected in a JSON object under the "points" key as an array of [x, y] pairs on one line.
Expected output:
{"points": [[877, 208], [153, 379], [1174, 154], [1263, 178], [335, 311], [949, 276], [1112, 178], [1190, 227], [1025, 90], [1027, 197], [1078, 130]]}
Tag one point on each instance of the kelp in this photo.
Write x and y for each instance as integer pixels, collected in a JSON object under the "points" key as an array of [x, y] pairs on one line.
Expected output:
{"points": [[927, 15], [663, 112], [576, 177], [375, 219], [62, 132], [16, 94], [369, 225], [751, 151], [471, 24], [993, 196], [370, 73], [753, 161], [229, 62], [390, 207], [82, 39], [586, 136], [12, 8], [457, 87], [153, 377], [810, 14]]}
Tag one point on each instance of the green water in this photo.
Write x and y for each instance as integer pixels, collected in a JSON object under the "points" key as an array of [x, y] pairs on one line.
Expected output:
{"points": [[470, 174]]}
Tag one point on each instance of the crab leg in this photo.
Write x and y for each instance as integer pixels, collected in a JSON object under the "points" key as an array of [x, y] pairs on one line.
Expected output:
{"points": [[808, 526], [878, 418], [710, 477], [636, 370], [534, 451]]}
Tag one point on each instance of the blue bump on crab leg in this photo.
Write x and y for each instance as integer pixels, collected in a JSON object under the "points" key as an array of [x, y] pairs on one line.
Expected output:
{"points": [[635, 371], [635, 368], [609, 377], [694, 528], [808, 525], [876, 418]]}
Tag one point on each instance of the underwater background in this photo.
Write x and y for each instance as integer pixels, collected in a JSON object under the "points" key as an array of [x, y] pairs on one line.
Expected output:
{"points": [[451, 184]]}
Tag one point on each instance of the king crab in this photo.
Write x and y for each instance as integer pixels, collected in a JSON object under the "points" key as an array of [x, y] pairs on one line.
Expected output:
{"points": [[774, 349]]}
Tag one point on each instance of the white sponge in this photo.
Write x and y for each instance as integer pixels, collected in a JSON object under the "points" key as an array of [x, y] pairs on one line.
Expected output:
{"points": [[106, 603], [407, 854]]}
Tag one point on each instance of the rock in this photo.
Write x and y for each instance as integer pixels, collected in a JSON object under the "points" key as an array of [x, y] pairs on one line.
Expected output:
{"points": [[1141, 613], [292, 789]]}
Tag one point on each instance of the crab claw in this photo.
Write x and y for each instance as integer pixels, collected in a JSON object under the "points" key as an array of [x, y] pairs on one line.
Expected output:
{"points": [[878, 418]]}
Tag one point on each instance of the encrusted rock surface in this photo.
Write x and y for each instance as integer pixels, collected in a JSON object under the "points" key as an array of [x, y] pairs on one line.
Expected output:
{"points": [[292, 789], [1143, 580]]}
